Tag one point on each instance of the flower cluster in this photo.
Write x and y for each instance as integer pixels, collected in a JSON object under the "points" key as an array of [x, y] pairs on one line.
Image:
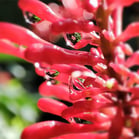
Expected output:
{"points": [[101, 89]]}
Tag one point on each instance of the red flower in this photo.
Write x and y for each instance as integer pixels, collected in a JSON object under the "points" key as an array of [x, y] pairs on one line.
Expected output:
{"points": [[104, 101]]}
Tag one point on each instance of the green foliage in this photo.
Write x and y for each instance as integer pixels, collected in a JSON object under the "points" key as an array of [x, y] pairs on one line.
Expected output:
{"points": [[18, 109]]}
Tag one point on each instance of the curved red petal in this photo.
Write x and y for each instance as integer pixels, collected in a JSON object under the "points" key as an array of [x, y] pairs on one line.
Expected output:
{"points": [[56, 55], [68, 69], [117, 125], [51, 106], [73, 7], [44, 12], [49, 129], [116, 3], [83, 136], [8, 47], [131, 31], [135, 92], [90, 6], [71, 26], [85, 106], [19, 35], [60, 91], [133, 60]]}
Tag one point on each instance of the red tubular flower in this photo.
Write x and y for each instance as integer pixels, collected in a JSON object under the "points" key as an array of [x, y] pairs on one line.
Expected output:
{"points": [[116, 129], [44, 12], [55, 128], [94, 117], [65, 71], [131, 31], [117, 3], [68, 69], [13, 33], [88, 92], [71, 26], [83, 88], [51, 106], [43, 53], [8, 47], [85, 106], [99, 84], [83, 136], [133, 60], [134, 91], [90, 6], [82, 43], [126, 49], [54, 90], [73, 7]]}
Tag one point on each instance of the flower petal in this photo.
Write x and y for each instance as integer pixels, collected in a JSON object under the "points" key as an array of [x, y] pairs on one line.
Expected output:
{"points": [[86, 106], [44, 12], [68, 69], [49, 129], [51, 106], [133, 60], [127, 49], [131, 31], [83, 136], [94, 117], [116, 3], [57, 55], [19, 35], [117, 125], [71, 26], [89, 5], [73, 7], [8, 47], [60, 91], [135, 92]]}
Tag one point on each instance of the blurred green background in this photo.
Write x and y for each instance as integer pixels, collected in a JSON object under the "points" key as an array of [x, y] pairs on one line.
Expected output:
{"points": [[19, 83]]}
